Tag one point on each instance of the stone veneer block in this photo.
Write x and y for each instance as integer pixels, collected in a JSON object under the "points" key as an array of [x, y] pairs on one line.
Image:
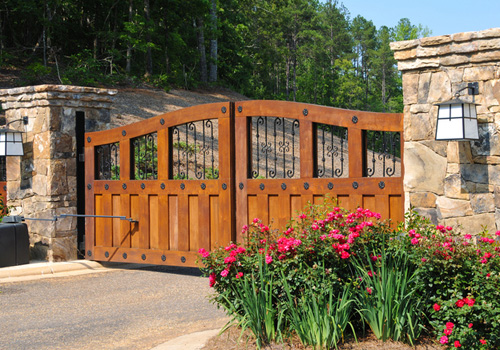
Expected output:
{"points": [[472, 224], [449, 208], [428, 169]]}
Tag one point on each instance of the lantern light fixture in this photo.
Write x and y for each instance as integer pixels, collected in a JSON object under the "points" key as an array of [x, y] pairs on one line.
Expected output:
{"points": [[11, 141], [457, 119]]}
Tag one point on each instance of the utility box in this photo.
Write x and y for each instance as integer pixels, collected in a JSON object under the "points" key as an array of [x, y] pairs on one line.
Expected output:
{"points": [[14, 244]]}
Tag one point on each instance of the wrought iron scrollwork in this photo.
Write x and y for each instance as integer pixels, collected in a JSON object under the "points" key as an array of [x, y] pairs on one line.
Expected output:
{"points": [[383, 154], [3, 169], [144, 157], [195, 147], [273, 147], [331, 152], [107, 158]]}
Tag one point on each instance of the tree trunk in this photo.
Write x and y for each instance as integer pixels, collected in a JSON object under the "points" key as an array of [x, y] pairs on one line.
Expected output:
{"points": [[149, 56], [129, 46], [198, 24], [213, 43]]}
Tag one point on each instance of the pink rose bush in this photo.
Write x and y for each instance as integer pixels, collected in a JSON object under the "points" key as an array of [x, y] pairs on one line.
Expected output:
{"points": [[455, 279]]}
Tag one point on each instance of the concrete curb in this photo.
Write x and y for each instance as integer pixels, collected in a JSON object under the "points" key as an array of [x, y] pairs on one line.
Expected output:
{"points": [[46, 269], [192, 341]]}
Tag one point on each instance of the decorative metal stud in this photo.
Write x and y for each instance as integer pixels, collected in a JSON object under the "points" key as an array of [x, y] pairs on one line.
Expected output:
{"points": [[283, 186], [183, 186], [124, 186], [124, 255], [261, 186], [223, 109], [224, 186], [162, 186], [330, 186], [240, 109], [163, 258], [162, 121], [106, 254], [124, 132], [355, 185], [305, 112], [203, 186], [354, 119], [241, 185], [89, 253], [106, 187], [183, 259], [143, 185], [89, 186], [89, 139], [143, 256], [306, 185], [381, 184]]}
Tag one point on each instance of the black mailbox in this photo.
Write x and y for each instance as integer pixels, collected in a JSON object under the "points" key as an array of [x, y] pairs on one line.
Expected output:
{"points": [[14, 244]]}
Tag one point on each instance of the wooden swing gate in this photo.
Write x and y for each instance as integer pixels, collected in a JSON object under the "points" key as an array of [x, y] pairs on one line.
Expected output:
{"points": [[161, 189]]}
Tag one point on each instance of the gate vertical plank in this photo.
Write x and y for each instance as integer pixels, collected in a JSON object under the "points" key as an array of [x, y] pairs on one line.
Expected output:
{"points": [[307, 199], [253, 206], [383, 206], [396, 209], [136, 227], [107, 223], [163, 223], [194, 219], [295, 206], [306, 149], [99, 222], [227, 174], [154, 232], [355, 201], [274, 211], [125, 160], [356, 147], [163, 154], [89, 200], [203, 226], [144, 221], [215, 237], [117, 210], [173, 219], [241, 173], [369, 202], [125, 226], [183, 225], [263, 208], [285, 210]]}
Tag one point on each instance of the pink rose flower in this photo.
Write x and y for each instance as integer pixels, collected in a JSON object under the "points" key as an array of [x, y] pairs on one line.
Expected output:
{"points": [[212, 279], [269, 259], [369, 290], [436, 307], [444, 339], [224, 273]]}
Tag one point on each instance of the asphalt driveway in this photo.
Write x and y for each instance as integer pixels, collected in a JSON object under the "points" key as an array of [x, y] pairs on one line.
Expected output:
{"points": [[114, 309]]}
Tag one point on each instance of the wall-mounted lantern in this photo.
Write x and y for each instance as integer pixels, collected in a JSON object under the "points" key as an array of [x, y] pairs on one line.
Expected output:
{"points": [[11, 141], [457, 119]]}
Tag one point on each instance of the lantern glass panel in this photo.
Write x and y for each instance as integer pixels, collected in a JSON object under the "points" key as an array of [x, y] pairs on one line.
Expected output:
{"points": [[471, 131], [456, 110], [449, 129]]}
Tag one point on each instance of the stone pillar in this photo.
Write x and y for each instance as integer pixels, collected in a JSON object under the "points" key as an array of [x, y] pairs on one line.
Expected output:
{"points": [[43, 182], [453, 183]]}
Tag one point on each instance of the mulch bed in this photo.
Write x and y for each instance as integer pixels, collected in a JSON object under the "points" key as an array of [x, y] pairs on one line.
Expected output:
{"points": [[232, 339]]}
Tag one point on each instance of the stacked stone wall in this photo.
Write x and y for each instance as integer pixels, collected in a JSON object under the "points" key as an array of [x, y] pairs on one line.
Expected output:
{"points": [[455, 183], [43, 182]]}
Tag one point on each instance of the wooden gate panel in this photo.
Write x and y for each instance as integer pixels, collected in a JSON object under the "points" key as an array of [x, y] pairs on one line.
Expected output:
{"points": [[173, 217], [262, 197]]}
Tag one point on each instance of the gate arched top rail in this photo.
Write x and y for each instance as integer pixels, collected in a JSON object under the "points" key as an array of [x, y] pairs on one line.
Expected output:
{"points": [[160, 122], [320, 114]]}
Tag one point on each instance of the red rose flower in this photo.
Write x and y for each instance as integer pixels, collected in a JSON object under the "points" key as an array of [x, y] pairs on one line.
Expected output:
{"points": [[460, 303], [436, 307], [457, 344]]}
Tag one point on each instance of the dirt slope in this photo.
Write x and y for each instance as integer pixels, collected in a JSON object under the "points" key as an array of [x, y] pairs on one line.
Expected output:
{"points": [[135, 104]]}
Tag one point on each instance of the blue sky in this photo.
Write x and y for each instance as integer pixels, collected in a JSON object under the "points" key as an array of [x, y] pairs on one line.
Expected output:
{"points": [[442, 17]]}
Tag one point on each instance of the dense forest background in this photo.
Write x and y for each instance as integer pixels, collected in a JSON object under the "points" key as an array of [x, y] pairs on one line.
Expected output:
{"points": [[296, 50]]}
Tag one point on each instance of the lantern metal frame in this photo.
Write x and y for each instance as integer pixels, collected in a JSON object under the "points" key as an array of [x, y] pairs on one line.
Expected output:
{"points": [[467, 115], [10, 140]]}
